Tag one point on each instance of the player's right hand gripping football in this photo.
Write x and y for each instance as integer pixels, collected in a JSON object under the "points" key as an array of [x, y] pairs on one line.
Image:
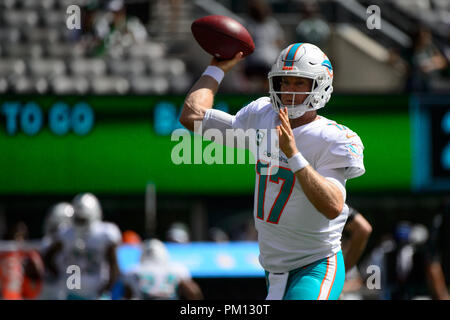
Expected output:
{"points": [[227, 65]]}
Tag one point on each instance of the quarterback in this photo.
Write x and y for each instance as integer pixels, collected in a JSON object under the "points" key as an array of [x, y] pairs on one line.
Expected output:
{"points": [[90, 244], [299, 201]]}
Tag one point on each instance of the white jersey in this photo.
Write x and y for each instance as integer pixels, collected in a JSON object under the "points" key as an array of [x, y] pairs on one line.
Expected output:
{"points": [[53, 287], [156, 280], [87, 250], [291, 232]]}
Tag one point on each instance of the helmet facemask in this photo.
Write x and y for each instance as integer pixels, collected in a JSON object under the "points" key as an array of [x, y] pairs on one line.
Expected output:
{"points": [[302, 60], [313, 101]]}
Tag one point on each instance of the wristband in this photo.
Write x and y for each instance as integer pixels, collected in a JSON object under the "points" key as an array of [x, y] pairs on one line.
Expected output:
{"points": [[214, 72], [297, 162]]}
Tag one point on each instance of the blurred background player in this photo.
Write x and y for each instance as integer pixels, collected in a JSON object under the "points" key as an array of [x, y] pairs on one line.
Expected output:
{"points": [[437, 253], [357, 231], [156, 277], [402, 264], [401, 257], [58, 218], [108, 29], [178, 232], [130, 238], [91, 245], [21, 268]]}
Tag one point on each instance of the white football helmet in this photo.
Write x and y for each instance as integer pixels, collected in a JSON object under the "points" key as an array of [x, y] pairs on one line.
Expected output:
{"points": [[87, 209], [154, 250], [59, 215], [307, 61]]}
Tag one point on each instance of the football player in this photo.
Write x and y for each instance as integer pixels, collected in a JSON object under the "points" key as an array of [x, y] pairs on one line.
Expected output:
{"points": [[58, 218], [156, 277], [358, 230], [89, 246], [356, 233], [300, 185]]}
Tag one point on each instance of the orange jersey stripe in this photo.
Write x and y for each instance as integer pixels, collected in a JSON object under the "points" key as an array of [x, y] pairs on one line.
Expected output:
{"points": [[334, 276], [324, 278]]}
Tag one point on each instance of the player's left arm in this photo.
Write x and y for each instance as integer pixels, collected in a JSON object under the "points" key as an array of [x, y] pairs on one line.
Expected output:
{"points": [[325, 194], [360, 230], [49, 256], [111, 257]]}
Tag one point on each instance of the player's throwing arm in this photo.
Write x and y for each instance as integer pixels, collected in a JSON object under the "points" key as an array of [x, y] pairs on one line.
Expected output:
{"points": [[228, 42], [201, 96]]}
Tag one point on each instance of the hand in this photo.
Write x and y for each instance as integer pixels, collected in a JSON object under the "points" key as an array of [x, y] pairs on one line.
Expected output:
{"points": [[226, 65], [285, 134]]}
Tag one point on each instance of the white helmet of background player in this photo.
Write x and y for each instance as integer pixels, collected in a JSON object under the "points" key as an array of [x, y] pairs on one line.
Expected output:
{"points": [[307, 61], [87, 209], [59, 215], [154, 250]]}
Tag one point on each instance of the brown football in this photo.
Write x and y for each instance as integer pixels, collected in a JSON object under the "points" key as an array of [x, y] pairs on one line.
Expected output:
{"points": [[222, 36]]}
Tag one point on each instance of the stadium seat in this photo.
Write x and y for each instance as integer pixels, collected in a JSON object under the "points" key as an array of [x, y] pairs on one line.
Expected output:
{"points": [[23, 85], [159, 66], [43, 35], [29, 4], [110, 85], [8, 4], [54, 18], [47, 67], [149, 85], [69, 85], [20, 18], [127, 67], [66, 3], [88, 67], [12, 67], [64, 50], [23, 50], [26, 84], [149, 50], [117, 52], [3, 85], [41, 4], [9, 35], [180, 84], [176, 67]]}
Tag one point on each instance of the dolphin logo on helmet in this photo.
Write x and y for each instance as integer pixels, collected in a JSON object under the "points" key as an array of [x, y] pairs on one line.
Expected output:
{"points": [[307, 61]]}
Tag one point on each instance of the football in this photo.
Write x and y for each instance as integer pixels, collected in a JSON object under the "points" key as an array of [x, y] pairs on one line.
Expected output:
{"points": [[222, 36]]}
